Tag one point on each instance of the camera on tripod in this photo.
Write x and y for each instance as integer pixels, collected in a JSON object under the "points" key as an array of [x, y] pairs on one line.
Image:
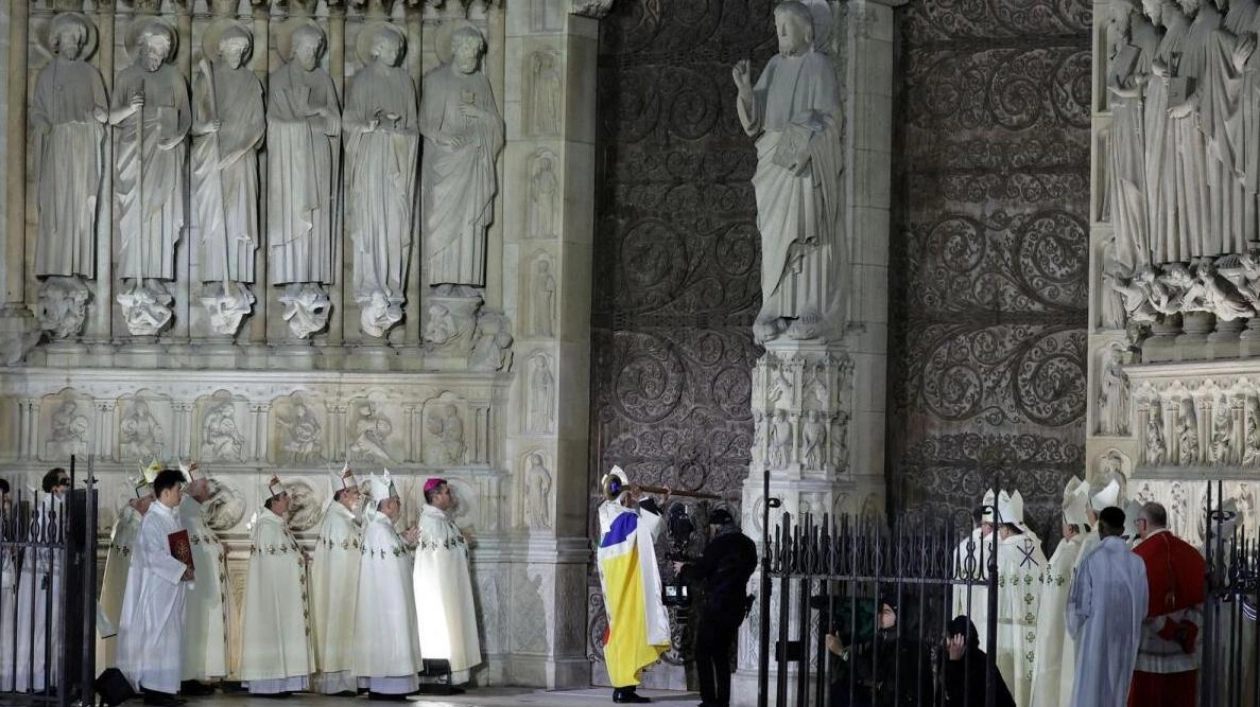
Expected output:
{"points": [[679, 526]]}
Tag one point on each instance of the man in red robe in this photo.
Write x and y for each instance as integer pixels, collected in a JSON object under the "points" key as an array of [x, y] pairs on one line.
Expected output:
{"points": [[1167, 668]]}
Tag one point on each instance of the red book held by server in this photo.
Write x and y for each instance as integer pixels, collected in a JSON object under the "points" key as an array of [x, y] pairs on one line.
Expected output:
{"points": [[181, 547]]}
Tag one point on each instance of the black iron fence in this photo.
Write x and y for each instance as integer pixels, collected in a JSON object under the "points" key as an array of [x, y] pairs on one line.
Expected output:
{"points": [[857, 613], [48, 594]]}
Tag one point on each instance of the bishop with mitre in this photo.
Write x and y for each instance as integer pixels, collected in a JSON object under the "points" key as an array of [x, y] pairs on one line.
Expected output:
{"points": [[211, 606], [118, 560], [276, 657], [388, 658], [1055, 663], [334, 586], [1020, 563], [444, 600]]}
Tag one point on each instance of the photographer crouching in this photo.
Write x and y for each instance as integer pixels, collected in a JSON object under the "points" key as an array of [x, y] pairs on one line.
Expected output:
{"points": [[722, 572]]}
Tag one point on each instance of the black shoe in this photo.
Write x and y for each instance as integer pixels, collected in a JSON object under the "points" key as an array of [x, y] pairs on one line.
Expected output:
{"points": [[382, 697], [273, 695], [347, 693], [628, 696], [159, 699], [195, 689]]}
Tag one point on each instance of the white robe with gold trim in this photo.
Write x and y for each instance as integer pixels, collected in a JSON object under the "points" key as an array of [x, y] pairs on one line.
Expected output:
{"points": [[114, 580], [276, 634], [1055, 663], [211, 606], [1020, 564], [444, 600], [388, 657], [334, 587]]}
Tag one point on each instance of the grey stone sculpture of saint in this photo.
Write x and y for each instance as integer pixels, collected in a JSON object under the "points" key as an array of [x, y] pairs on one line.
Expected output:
{"points": [[152, 117], [382, 147], [228, 129], [463, 135], [303, 177], [794, 112], [68, 113]]}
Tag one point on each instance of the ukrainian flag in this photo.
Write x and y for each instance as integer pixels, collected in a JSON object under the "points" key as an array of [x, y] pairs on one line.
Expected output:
{"points": [[638, 626]]}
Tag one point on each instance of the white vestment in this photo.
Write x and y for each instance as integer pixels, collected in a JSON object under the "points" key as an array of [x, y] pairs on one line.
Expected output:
{"points": [[444, 598], [334, 586], [390, 658], [1088, 543], [275, 647], [1104, 616], [211, 607], [971, 562], [151, 631], [8, 610], [1051, 671], [39, 586], [114, 581], [1020, 564]]}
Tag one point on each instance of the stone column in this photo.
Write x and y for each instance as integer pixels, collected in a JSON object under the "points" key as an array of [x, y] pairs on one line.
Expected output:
{"points": [[18, 329], [547, 58], [819, 405]]}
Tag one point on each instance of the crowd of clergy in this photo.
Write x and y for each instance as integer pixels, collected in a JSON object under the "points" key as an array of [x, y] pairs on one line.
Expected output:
{"points": [[1111, 619], [363, 612]]}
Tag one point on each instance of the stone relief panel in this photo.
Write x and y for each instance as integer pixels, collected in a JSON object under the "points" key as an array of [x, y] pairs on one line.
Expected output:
{"points": [[540, 398], [145, 424], [535, 497], [544, 195], [543, 91], [297, 430], [221, 429], [70, 423], [371, 433], [444, 442], [990, 270]]}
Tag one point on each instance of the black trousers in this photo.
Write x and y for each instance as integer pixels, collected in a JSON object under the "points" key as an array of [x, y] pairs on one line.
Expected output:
{"points": [[715, 640]]}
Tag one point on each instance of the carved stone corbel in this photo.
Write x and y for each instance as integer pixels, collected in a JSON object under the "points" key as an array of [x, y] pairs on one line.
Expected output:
{"points": [[595, 9]]}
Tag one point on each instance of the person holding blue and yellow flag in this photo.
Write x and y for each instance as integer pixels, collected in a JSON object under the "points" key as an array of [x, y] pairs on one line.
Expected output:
{"points": [[638, 625]]}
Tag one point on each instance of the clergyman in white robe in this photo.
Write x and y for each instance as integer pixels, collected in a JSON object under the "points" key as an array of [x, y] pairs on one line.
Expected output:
{"points": [[389, 658], [151, 631], [971, 595], [334, 589], [444, 600], [39, 586], [1104, 616], [276, 654], [1054, 667], [117, 567], [211, 606]]}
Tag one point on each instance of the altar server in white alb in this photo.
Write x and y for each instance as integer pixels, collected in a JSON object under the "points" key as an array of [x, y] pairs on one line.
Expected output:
{"points": [[444, 600], [334, 586], [1055, 663], [151, 631], [211, 606], [118, 560], [276, 657], [1020, 563], [389, 658], [39, 583], [1104, 617]]}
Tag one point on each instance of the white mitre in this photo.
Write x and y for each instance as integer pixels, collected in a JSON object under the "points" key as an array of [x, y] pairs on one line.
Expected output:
{"points": [[190, 470], [610, 509], [1109, 496], [1075, 502], [988, 502], [340, 481], [382, 487]]}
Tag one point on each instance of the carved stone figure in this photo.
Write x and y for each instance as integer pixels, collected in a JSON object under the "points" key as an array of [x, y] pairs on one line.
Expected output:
{"points": [[68, 112], [63, 306], [1222, 433], [152, 118], [814, 439], [759, 436], [1231, 218], [69, 432], [1212, 292], [1156, 449], [382, 143], [493, 350], [537, 494], [1167, 233], [1251, 448], [452, 436], [370, 431], [543, 292], [839, 440], [1128, 72], [1188, 434], [544, 99], [442, 327], [780, 440], [140, 436], [463, 136], [221, 439], [228, 130], [544, 197], [302, 440], [1192, 75], [1113, 395], [542, 392], [303, 170], [794, 111]]}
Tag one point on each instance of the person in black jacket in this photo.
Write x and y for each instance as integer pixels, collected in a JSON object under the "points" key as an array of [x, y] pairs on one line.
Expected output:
{"points": [[888, 668], [723, 571], [964, 670]]}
